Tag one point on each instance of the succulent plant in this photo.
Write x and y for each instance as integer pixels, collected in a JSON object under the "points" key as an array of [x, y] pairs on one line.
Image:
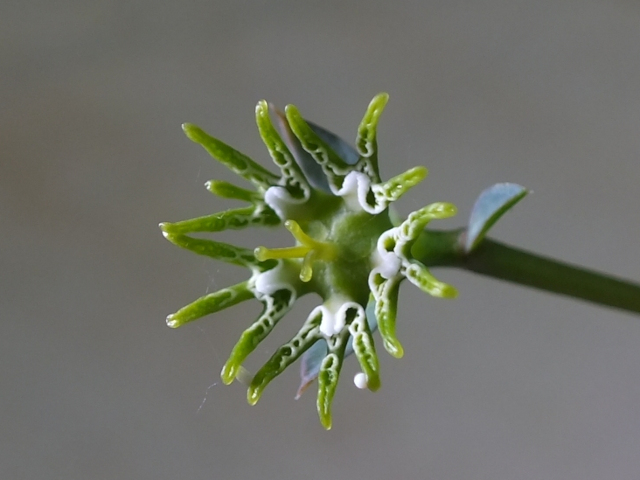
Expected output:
{"points": [[350, 249], [347, 248]]}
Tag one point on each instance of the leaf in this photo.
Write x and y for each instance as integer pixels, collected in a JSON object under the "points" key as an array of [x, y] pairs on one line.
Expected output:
{"points": [[366, 139], [491, 204], [340, 146], [310, 366]]}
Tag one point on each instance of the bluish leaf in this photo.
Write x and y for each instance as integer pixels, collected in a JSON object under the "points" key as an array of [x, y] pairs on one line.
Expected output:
{"points": [[338, 145], [310, 366], [312, 171], [491, 204]]}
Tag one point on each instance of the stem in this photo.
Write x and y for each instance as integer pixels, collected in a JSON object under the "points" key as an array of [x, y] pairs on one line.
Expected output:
{"points": [[498, 260]]}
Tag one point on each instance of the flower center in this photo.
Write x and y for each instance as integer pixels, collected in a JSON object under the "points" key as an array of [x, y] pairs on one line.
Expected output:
{"points": [[308, 249]]}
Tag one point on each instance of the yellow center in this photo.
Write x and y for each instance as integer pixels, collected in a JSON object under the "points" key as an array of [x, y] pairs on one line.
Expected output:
{"points": [[308, 249]]}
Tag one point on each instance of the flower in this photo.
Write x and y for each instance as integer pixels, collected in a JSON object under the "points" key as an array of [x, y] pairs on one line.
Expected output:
{"points": [[347, 249]]}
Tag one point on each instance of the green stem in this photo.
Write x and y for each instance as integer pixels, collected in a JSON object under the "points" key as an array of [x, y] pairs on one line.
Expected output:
{"points": [[498, 260]]}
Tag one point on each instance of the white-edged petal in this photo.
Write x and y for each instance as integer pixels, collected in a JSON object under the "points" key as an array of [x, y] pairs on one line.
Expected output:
{"points": [[283, 203], [354, 192], [334, 313], [282, 276], [385, 260]]}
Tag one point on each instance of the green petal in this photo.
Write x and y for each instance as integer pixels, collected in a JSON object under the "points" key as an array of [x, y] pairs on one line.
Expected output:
{"points": [[327, 384], [416, 221], [237, 162], [275, 307], [235, 219], [367, 131], [285, 356], [329, 376], [394, 188], [385, 292], [294, 179], [365, 351], [211, 303], [229, 190], [420, 276], [218, 250], [334, 167]]}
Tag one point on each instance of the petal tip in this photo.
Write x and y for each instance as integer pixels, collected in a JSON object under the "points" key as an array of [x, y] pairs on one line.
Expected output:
{"points": [[253, 395], [394, 349], [326, 422], [172, 322], [228, 373]]}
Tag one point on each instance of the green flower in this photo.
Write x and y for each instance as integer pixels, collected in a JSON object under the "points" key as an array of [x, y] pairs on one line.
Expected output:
{"points": [[347, 249]]}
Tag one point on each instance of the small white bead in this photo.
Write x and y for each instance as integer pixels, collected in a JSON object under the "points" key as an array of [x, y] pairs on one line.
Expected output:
{"points": [[360, 380]]}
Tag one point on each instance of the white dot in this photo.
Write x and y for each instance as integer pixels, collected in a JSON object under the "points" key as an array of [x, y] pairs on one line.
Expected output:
{"points": [[360, 380]]}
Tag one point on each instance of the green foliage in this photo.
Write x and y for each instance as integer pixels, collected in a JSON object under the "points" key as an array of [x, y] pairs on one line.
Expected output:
{"points": [[346, 248]]}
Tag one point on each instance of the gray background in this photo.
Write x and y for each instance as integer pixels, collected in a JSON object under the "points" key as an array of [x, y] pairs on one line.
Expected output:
{"points": [[503, 383]]}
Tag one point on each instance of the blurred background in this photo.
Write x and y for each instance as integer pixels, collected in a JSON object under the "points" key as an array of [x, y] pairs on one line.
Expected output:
{"points": [[503, 382]]}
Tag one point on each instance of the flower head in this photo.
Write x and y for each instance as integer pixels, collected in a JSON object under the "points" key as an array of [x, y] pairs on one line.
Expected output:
{"points": [[346, 249]]}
